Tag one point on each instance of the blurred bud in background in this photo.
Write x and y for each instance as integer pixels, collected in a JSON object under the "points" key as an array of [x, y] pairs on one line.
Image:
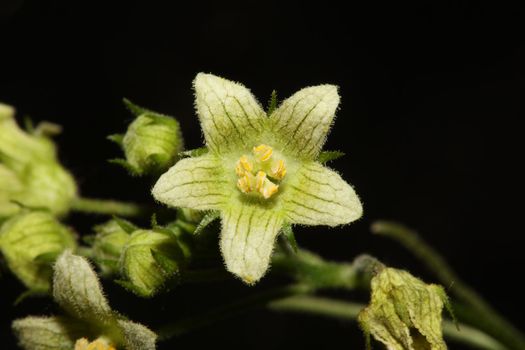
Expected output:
{"points": [[30, 174], [30, 242], [108, 243]]}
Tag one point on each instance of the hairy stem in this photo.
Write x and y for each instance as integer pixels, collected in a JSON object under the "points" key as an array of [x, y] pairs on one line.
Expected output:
{"points": [[108, 207], [481, 313], [349, 311]]}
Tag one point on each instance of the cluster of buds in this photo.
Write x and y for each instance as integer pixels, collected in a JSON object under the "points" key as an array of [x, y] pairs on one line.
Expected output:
{"points": [[144, 259]]}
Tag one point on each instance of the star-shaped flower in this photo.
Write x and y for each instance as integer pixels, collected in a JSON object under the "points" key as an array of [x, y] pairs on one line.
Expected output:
{"points": [[261, 171]]}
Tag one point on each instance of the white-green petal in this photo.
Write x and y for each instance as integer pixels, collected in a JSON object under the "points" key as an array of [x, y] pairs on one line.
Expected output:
{"points": [[247, 240], [137, 336], [302, 121], [47, 333], [319, 196], [229, 114], [195, 183], [77, 289]]}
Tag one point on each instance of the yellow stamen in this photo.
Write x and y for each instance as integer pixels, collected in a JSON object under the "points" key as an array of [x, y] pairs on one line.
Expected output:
{"points": [[269, 189], [243, 166], [263, 152], [278, 170], [246, 168], [99, 344], [260, 180], [245, 183]]}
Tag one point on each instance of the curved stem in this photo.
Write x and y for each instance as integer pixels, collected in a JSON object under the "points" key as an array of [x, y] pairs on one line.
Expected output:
{"points": [[349, 311], [108, 207], [486, 317]]}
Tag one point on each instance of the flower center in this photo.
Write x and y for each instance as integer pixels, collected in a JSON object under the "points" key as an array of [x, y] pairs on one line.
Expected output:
{"points": [[99, 344], [258, 173]]}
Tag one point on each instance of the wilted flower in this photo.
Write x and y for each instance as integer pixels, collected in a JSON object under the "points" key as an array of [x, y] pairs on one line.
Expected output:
{"points": [[404, 312], [261, 171]]}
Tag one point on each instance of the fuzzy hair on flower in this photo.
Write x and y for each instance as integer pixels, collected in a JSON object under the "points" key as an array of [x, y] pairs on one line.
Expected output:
{"points": [[261, 171]]}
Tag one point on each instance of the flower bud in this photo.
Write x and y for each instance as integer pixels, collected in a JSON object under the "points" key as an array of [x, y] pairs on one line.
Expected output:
{"points": [[108, 245], [30, 241], [151, 143], [148, 260], [404, 312], [30, 174]]}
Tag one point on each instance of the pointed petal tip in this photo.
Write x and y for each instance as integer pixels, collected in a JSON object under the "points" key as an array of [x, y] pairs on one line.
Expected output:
{"points": [[202, 77]]}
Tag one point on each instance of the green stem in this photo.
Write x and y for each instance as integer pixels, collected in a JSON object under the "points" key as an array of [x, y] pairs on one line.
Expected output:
{"points": [[310, 268], [349, 311], [485, 316], [226, 311], [108, 207]]}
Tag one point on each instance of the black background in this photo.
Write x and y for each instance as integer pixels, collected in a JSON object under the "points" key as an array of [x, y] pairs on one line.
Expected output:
{"points": [[429, 122]]}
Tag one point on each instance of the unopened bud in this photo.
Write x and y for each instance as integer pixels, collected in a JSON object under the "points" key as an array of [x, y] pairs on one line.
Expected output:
{"points": [[152, 142], [149, 259]]}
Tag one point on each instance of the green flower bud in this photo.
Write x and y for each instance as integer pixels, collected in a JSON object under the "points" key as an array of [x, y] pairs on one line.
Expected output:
{"points": [[151, 143], [30, 174], [30, 241], [108, 244], [404, 312], [148, 260]]}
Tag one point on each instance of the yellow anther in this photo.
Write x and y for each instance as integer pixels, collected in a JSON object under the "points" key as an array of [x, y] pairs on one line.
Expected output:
{"points": [[243, 166], [245, 183], [263, 152], [278, 170], [253, 175], [259, 180], [269, 189], [99, 344]]}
